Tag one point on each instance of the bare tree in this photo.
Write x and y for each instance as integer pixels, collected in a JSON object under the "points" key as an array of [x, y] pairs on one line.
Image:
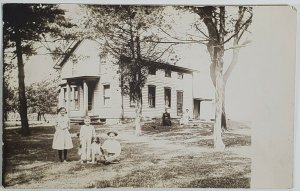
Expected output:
{"points": [[129, 33], [222, 27]]}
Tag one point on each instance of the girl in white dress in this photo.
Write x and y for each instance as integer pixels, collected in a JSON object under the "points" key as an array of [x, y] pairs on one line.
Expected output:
{"points": [[62, 140]]}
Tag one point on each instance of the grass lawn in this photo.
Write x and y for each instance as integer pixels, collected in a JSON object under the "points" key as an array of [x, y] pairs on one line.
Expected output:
{"points": [[178, 157]]}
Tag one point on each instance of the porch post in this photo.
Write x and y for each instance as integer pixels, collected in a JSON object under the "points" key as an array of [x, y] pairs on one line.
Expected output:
{"points": [[72, 97], [68, 99], [85, 97], [60, 97]]}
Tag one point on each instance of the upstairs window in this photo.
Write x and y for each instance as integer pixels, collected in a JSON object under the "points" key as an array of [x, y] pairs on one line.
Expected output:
{"points": [[151, 96], [168, 73]]}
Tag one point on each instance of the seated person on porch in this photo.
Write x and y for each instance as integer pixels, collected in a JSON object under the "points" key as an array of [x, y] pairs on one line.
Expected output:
{"points": [[111, 148], [166, 119], [185, 118]]}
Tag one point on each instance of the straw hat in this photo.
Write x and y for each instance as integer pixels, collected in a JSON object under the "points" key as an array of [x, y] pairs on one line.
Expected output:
{"points": [[115, 133]]}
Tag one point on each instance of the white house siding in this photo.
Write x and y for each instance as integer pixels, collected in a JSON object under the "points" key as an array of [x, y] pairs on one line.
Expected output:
{"points": [[160, 82], [110, 77], [85, 62]]}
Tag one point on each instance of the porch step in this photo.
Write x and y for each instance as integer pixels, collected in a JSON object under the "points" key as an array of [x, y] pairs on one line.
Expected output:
{"points": [[94, 120]]}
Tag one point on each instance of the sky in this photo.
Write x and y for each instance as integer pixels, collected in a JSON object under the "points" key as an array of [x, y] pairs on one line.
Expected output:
{"points": [[194, 56]]}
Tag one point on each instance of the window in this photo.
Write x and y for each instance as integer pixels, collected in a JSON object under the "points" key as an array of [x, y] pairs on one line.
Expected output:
{"points": [[168, 97], [106, 94], [76, 98], [179, 103], [151, 96], [65, 93], [152, 70], [168, 72], [180, 75]]}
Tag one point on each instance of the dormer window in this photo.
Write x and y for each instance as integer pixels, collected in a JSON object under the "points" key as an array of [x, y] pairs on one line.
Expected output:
{"points": [[168, 72]]}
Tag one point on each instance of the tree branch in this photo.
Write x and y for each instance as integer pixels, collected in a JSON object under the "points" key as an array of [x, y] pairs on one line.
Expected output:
{"points": [[183, 40], [202, 32]]}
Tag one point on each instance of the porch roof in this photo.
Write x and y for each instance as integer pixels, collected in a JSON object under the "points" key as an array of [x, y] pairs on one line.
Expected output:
{"points": [[93, 78], [202, 99], [161, 65]]}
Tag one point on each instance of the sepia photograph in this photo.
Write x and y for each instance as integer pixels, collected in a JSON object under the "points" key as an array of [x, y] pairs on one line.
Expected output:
{"points": [[148, 96]]}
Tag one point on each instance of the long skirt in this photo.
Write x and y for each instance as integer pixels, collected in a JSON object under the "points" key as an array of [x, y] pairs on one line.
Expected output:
{"points": [[62, 140]]}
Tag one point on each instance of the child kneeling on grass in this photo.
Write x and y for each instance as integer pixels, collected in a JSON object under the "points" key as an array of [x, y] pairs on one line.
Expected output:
{"points": [[87, 132], [111, 148]]}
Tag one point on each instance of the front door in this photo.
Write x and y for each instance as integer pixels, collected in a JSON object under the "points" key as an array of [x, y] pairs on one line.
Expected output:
{"points": [[179, 102], [197, 109], [91, 88]]}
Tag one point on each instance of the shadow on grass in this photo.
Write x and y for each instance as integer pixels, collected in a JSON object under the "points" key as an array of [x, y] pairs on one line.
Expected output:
{"points": [[220, 182], [27, 159], [25, 152]]}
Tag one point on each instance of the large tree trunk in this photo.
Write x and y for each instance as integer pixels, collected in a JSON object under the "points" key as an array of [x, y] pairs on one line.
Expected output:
{"points": [[22, 97], [138, 113], [226, 75], [224, 119], [213, 79], [219, 98], [218, 54]]}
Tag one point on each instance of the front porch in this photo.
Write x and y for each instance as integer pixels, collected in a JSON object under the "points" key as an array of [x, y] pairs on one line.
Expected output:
{"points": [[77, 96]]}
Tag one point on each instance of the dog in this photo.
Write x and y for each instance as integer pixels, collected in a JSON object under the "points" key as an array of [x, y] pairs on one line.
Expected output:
{"points": [[97, 152]]}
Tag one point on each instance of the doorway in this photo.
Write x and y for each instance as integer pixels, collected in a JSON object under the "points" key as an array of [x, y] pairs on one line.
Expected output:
{"points": [[197, 109]]}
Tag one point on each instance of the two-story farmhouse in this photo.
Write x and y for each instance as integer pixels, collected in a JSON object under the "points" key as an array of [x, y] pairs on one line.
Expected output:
{"points": [[90, 85]]}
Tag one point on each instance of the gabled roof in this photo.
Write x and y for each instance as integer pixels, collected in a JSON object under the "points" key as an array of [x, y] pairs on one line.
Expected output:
{"points": [[159, 65], [162, 65], [73, 46]]}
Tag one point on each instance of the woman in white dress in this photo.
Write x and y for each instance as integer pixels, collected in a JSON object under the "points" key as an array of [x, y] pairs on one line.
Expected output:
{"points": [[62, 140], [185, 118]]}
